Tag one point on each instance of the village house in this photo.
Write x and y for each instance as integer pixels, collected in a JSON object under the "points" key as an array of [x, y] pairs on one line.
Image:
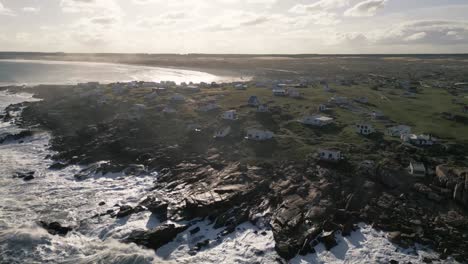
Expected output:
{"points": [[316, 120], [258, 134], [364, 128], [322, 108], [263, 108], [240, 86], [253, 101], [417, 169], [338, 100], [330, 154], [294, 93], [169, 110], [230, 115], [210, 106], [398, 131], [222, 133], [362, 100], [377, 115], [193, 89], [418, 140], [280, 92], [177, 98]]}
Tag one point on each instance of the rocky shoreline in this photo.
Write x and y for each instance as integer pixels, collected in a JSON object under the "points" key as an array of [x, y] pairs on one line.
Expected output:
{"points": [[303, 202]]}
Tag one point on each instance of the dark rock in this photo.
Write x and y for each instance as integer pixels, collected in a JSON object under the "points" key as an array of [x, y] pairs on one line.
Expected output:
{"points": [[156, 237], [393, 261], [394, 237], [57, 166], [28, 178], [328, 239], [102, 203], [156, 206], [125, 210], [55, 228], [195, 230], [202, 244], [20, 135]]}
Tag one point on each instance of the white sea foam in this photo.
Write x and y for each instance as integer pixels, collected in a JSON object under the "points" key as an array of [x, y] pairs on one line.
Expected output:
{"points": [[58, 196]]}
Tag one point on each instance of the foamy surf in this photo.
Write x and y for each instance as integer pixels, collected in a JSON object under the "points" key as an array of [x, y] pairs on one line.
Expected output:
{"points": [[58, 196]]}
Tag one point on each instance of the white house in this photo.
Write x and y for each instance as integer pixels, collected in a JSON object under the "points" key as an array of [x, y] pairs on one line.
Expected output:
{"points": [[169, 110], [294, 93], [417, 169], [240, 86], [338, 100], [418, 140], [263, 108], [193, 88], [362, 100], [258, 134], [253, 101], [230, 115], [330, 154], [222, 133], [322, 108], [398, 131], [208, 107], [177, 98], [279, 92], [364, 128], [377, 115], [316, 120]]}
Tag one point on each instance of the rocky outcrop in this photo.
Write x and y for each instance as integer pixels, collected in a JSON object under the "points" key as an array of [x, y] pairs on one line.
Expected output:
{"points": [[455, 180], [55, 228], [156, 237]]}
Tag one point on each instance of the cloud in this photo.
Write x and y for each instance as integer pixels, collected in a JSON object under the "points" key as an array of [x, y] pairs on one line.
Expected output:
{"points": [[30, 9], [366, 8], [319, 6], [90, 6], [434, 32], [5, 11]]}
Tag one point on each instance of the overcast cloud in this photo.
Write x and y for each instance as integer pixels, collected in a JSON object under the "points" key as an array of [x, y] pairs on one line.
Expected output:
{"points": [[235, 26]]}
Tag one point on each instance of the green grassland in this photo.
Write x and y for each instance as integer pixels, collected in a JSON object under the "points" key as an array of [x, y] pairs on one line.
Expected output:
{"points": [[292, 139]]}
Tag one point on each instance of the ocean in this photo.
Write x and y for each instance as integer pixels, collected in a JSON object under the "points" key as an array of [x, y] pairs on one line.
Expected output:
{"points": [[34, 72]]}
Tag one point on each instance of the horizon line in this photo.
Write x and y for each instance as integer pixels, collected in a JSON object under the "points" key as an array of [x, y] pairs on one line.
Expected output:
{"points": [[231, 54]]}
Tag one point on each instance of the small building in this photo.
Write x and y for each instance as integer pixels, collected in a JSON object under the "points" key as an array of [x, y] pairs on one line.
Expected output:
{"points": [[222, 133], [259, 134], [330, 154], [417, 169], [177, 98], [362, 100], [322, 108], [263, 108], [169, 110], [230, 115], [253, 101], [240, 86], [280, 92], [364, 128], [294, 93], [208, 107], [377, 115], [398, 131], [316, 120], [418, 140], [338, 100], [193, 89]]}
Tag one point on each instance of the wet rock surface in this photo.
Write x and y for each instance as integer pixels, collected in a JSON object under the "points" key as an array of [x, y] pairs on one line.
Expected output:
{"points": [[303, 202], [55, 228], [156, 237]]}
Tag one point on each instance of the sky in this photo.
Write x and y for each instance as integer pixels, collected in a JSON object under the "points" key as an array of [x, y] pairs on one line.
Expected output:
{"points": [[235, 26]]}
